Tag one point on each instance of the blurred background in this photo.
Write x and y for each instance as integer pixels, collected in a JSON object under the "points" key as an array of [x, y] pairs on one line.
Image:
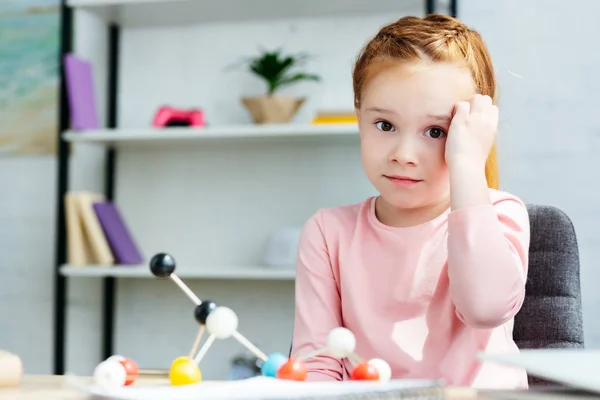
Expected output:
{"points": [[227, 201]]}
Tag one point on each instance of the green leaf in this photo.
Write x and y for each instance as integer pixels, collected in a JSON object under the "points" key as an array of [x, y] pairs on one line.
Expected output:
{"points": [[275, 68], [299, 77]]}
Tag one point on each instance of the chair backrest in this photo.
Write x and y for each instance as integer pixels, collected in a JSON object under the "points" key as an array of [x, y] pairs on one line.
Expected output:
{"points": [[551, 316]]}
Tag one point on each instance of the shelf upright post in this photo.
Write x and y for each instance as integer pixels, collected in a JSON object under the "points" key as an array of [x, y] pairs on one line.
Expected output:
{"points": [[454, 8], [431, 6], [109, 283], [62, 182]]}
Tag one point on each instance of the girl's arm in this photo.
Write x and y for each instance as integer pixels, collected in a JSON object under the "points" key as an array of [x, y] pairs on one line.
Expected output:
{"points": [[488, 250], [318, 305]]}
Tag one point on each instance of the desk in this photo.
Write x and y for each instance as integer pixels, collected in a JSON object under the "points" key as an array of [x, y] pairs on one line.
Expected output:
{"points": [[54, 387], [49, 387]]}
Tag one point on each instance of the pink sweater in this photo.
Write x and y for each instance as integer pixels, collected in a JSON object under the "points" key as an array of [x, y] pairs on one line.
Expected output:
{"points": [[426, 298]]}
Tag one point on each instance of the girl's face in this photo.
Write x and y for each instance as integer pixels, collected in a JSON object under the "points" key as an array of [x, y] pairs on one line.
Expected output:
{"points": [[404, 118]]}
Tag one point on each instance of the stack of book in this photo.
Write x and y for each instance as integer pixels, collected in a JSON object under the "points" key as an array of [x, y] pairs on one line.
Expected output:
{"points": [[335, 117], [97, 233]]}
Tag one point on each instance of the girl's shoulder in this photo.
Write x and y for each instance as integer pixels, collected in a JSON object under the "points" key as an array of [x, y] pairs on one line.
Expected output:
{"points": [[510, 207], [344, 217], [501, 197]]}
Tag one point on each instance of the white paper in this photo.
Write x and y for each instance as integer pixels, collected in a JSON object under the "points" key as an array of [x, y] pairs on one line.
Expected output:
{"points": [[575, 368], [253, 388]]}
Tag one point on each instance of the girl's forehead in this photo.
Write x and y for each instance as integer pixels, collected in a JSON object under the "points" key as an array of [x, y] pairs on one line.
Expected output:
{"points": [[428, 87]]}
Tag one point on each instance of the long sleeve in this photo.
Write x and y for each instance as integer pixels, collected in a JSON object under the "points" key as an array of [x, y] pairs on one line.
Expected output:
{"points": [[318, 304], [488, 251]]}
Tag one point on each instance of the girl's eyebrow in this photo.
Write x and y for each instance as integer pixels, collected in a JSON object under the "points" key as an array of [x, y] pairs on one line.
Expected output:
{"points": [[380, 110], [444, 118]]}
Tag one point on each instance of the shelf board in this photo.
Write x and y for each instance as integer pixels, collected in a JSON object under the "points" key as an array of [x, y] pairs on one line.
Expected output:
{"points": [[185, 272], [118, 137], [144, 13]]}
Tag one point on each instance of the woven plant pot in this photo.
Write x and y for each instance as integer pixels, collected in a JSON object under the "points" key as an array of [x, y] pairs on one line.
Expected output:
{"points": [[274, 109]]}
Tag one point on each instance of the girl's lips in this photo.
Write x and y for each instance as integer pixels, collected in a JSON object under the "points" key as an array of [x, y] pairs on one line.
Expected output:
{"points": [[402, 181]]}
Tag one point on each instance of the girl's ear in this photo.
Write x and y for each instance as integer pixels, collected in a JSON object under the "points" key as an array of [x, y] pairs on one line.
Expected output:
{"points": [[357, 111]]}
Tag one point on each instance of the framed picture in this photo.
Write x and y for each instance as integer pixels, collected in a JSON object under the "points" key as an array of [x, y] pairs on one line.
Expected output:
{"points": [[29, 76]]}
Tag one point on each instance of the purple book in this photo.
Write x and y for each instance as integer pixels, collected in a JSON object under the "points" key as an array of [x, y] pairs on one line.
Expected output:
{"points": [[79, 78], [119, 239]]}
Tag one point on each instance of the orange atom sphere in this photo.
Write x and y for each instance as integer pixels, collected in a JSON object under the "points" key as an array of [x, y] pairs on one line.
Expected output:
{"points": [[292, 370], [364, 372], [131, 370]]}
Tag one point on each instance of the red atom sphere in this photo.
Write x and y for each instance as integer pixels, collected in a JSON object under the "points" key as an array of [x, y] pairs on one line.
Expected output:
{"points": [[364, 372], [292, 370], [131, 370]]}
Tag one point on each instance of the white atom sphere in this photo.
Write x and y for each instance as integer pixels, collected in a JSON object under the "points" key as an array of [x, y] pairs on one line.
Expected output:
{"points": [[110, 374], [222, 322], [341, 342], [385, 372]]}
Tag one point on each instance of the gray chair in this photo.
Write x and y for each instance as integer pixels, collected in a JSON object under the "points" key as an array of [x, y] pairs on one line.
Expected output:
{"points": [[551, 316]]}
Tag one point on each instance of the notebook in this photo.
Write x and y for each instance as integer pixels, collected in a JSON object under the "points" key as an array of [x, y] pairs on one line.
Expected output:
{"points": [[572, 367], [265, 388], [120, 240], [100, 248], [79, 79]]}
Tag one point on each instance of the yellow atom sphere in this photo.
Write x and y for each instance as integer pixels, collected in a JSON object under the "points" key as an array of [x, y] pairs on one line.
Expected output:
{"points": [[184, 371], [180, 360]]}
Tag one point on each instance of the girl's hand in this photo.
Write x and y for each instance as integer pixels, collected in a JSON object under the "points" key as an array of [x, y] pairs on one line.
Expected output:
{"points": [[472, 132]]}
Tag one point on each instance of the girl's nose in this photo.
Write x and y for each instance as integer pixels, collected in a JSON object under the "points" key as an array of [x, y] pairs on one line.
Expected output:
{"points": [[404, 150]]}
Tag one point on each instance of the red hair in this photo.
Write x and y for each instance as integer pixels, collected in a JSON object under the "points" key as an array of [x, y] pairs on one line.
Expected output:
{"points": [[436, 38]]}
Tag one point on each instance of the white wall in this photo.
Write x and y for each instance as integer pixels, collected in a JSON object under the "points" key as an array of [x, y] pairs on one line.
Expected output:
{"points": [[547, 150], [27, 232], [550, 135]]}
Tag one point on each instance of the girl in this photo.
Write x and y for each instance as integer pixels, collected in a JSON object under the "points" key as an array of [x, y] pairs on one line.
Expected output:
{"points": [[432, 271]]}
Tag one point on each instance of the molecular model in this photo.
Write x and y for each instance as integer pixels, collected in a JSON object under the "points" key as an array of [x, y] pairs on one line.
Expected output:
{"points": [[222, 323]]}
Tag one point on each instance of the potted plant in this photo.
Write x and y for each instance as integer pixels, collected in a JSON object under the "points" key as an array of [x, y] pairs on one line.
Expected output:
{"points": [[278, 71]]}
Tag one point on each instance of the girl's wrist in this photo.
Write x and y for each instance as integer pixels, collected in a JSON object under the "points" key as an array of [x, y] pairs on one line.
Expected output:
{"points": [[468, 184], [461, 164]]}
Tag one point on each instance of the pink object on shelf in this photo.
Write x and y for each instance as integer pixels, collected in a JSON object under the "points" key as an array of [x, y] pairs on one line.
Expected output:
{"points": [[170, 116]]}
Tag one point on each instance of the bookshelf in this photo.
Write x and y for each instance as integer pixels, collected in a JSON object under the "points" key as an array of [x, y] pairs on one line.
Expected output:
{"points": [[300, 132], [251, 272], [160, 13], [194, 151]]}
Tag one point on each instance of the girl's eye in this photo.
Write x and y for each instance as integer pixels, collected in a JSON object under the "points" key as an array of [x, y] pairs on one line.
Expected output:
{"points": [[384, 126], [435, 133]]}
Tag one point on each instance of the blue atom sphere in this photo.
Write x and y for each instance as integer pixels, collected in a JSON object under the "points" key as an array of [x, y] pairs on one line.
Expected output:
{"points": [[273, 363]]}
